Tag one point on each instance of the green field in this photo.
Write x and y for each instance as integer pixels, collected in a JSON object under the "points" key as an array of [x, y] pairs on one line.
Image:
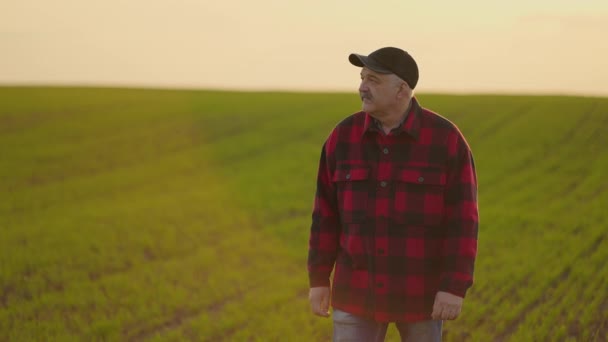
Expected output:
{"points": [[132, 215]]}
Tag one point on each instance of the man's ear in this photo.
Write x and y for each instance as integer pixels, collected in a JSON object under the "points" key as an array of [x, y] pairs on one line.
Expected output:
{"points": [[403, 91]]}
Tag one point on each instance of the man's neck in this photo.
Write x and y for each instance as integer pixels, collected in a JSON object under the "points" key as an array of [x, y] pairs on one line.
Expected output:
{"points": [[395, 119]]}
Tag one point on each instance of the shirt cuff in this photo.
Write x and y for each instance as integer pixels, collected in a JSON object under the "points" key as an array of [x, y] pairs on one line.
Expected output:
{"points": [[458, 288], [318, 280]]}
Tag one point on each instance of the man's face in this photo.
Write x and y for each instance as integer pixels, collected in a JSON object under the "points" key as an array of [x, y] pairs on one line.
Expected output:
{"points": [[378, 92]]}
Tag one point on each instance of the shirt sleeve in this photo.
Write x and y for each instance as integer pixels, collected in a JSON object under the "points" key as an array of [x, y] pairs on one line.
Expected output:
{"points": [[461, 222], [325, 228]]}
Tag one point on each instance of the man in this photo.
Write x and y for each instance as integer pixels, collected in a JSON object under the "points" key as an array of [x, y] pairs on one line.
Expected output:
{"points": [[395, 212]]}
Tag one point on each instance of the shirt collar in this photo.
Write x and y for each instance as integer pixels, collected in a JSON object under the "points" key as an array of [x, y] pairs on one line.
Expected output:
{"points": [[410, 125]]}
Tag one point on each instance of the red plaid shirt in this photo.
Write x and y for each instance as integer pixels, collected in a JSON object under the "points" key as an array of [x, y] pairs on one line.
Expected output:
{"points": [[396, 215]]}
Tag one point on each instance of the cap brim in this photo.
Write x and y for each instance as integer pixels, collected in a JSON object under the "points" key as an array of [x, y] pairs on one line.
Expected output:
{"points": [[365, 61]]}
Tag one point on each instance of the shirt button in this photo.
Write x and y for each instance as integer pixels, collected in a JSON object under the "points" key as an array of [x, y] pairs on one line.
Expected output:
{"points": [[385, 151], [420, 179], [379, 285], [380, 251], [383, 184], [348, 176]]}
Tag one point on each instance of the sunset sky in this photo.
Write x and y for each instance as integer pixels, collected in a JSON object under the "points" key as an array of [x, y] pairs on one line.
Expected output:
{"points": [[533, 46]]}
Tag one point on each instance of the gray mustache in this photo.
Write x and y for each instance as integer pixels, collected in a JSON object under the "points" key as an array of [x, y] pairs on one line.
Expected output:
{"points": [[365, 96]]}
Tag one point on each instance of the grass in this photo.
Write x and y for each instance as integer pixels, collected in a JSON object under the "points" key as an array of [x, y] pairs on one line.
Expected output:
{"points": [[166, 215]]}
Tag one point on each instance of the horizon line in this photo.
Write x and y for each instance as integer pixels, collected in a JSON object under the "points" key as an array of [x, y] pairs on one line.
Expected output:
{"points": [[184, 87]]}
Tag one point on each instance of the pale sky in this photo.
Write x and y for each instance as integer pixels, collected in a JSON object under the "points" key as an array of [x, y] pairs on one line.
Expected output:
{"points": [[520, 46]]}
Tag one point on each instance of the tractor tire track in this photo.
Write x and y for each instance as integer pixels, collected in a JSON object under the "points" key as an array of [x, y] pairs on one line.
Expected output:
{"points": [[141, 332], [561, 277], [505, 119], [523, 165]]}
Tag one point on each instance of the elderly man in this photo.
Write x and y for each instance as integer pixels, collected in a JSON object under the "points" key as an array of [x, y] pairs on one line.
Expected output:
{"points": [[395, 212]]}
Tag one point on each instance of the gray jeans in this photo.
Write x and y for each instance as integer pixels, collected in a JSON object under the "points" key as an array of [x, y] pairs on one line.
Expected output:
{"points": [[351, 328]]}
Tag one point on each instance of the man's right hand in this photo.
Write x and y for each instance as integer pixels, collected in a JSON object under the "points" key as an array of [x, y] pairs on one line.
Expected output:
{"points": [[319, 301]]}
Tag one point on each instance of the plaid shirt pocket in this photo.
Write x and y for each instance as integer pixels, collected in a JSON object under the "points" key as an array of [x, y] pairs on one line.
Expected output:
{"points": [[352, 184], [418, 197]]}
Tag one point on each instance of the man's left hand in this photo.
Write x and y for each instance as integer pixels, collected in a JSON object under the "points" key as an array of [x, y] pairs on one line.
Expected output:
{"points": [[447, 306]]}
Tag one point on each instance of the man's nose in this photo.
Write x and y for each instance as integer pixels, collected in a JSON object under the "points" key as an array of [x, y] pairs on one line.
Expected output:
{"points": [[363, 87]]}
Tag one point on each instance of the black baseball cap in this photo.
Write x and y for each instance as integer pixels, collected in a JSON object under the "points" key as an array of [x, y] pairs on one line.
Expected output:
{"points": [[389, 60]]}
